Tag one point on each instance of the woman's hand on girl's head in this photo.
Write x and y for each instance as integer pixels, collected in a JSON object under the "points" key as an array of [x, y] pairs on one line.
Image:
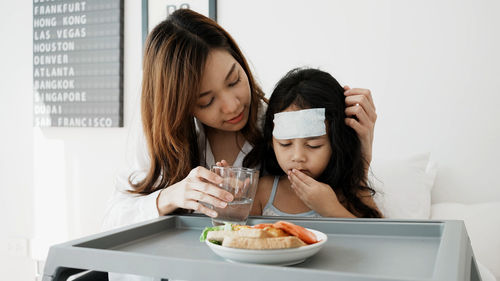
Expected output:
{"points": [[361, 116], [318, 196], [197, 188]]}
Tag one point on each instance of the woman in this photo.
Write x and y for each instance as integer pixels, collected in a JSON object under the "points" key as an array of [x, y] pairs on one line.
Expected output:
{"points": [[200, 104]]}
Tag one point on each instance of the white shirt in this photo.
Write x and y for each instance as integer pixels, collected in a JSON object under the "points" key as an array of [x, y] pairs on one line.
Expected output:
{"points": [[125, 208]]}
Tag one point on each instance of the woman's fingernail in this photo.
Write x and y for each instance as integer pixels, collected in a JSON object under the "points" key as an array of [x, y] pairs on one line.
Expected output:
{"points": [[222, 204], [229, 197], [213, 214]]}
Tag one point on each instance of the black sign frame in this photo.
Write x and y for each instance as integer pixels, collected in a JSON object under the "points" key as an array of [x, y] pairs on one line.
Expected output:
{"points": [[146, 5]]}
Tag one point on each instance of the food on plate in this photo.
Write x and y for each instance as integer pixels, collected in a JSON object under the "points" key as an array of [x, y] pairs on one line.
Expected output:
{"points": [[279, 235], [263, 243], [297, 230], [220, 235]]}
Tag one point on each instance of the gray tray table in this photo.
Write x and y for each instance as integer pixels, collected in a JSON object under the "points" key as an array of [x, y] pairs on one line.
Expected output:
{"points": [[357, 249]]}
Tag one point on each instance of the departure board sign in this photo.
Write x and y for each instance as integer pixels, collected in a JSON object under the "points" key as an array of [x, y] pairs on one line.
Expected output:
{"points": [[78, 63]]}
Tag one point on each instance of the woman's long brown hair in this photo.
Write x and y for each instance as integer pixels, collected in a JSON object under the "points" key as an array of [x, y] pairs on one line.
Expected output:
{"points": [[175, 54]]}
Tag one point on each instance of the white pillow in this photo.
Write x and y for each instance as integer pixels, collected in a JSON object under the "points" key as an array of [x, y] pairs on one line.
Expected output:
{"points": [[483, 227], [403, 186]]}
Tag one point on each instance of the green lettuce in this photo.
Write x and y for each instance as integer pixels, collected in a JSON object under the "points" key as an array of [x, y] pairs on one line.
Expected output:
{"points": [[226, 226]]}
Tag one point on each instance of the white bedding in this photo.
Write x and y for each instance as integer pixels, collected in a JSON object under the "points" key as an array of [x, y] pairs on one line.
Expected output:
{"points": [[404, 187]]}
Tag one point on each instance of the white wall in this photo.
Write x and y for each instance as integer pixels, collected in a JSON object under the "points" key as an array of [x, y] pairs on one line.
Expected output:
{"points": [[16, 144], [431, 66], [78, 165], [55, 181]]}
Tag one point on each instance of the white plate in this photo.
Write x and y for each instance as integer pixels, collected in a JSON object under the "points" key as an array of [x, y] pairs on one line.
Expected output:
{"points": [[274, 257]]}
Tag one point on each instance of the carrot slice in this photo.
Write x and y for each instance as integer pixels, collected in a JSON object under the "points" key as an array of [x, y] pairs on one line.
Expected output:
{"points": [[297, 230], [262, 225]]}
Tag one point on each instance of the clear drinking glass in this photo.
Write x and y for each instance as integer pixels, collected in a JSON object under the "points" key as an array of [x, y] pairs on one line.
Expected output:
{"points": [[242, 183]]}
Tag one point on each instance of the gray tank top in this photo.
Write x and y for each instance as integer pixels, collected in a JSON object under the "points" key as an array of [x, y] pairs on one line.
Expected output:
{"points": [[270, 210]]}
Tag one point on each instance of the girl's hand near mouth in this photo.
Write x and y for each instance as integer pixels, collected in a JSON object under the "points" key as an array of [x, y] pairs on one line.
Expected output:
{"points": [[317, 196]]}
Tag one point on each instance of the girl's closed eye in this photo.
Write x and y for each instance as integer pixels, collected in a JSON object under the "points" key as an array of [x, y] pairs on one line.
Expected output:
{"points": [[316, 142], [314, 146], [285, 144]]}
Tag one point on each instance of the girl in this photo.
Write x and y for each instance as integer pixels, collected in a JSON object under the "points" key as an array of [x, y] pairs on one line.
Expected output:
{"points": [[199, 104], [315, 160]]}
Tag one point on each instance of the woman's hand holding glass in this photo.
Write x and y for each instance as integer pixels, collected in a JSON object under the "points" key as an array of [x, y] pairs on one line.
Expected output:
{"points": [[359, 104], [199, 187]]}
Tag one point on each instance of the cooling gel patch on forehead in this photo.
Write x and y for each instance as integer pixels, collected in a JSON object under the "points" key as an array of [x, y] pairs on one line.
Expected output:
{"points": [[299, 124]]}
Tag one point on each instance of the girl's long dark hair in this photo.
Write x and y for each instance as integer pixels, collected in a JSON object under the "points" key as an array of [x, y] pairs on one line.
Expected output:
{"points": [[345, 173]]}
